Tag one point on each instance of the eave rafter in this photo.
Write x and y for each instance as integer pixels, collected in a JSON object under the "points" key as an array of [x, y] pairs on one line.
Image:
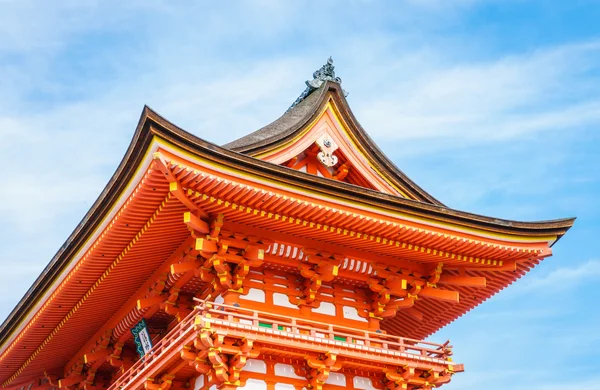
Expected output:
{"points": [[97, 283], [336, 219], [160, 294]]}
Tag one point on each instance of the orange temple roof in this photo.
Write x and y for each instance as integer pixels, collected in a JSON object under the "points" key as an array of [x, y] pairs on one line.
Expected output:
{"points": [[136, 224]]}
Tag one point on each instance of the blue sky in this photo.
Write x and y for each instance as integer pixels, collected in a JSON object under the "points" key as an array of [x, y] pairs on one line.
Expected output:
{"points": [[491, 106]]}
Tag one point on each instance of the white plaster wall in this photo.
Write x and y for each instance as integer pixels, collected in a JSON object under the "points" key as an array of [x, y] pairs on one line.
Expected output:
{"points": [[255, 295], [336, 378], [327, 308], [286, 370], [363, 383], [284, 386], [254, 384], [352, 314], [255, 365], [280, 299]]}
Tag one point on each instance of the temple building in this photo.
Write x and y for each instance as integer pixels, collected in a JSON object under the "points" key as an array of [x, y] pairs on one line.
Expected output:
{"points": [[296, 257]]}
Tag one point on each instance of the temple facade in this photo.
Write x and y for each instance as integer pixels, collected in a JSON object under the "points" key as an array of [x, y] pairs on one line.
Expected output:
{"points": [[296, 257]]}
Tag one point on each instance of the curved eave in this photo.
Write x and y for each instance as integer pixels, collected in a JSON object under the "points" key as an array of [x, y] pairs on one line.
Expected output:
{"points": [[342, 190], [294, 121], [153, 125]]}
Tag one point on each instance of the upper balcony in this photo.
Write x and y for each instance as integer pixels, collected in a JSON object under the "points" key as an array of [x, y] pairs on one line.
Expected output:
{"points": [[218, 339]]}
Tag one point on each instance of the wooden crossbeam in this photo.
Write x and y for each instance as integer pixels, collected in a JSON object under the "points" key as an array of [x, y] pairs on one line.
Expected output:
{"points": [[70, 381], [342, 172], [95, 356], [175, 187], [149, 302], [180, 194], [442, 295], [463, 281], [182, 268], [194, 223]]}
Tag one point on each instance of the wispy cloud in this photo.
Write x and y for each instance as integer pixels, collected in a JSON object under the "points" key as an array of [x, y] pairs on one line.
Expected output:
{"points": [[490, 101], [561, 279]]}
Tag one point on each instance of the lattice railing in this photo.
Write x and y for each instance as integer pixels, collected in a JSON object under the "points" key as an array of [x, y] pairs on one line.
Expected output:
{"points": [[264, 325], [339, 335]]}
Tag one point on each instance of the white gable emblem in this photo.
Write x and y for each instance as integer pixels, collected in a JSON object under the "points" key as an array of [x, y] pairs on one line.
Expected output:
{"points": [[327, 146]]}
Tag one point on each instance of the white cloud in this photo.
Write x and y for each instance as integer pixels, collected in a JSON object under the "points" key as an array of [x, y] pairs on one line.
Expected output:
{"points": [[479, 102], [562, 278]]}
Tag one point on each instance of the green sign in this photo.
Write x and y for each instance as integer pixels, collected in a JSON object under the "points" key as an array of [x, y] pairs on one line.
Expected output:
{"points": [[141, 337]]}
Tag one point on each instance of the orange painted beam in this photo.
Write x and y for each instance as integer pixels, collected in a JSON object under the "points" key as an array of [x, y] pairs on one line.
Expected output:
{"points": [[70, 381], [149, 302], [179, 193], [463, 281], [175, 187], [95, 356], [436, 293], [205, 245], [195, 223], [182, 268]]}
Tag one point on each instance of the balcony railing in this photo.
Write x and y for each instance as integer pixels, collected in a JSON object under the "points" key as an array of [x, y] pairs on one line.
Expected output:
{"points": [[274, 328], [302, 329], [163, 351]]}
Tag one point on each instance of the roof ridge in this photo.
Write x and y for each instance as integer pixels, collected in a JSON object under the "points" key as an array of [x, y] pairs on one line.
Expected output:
{"points": [[320, 76]]}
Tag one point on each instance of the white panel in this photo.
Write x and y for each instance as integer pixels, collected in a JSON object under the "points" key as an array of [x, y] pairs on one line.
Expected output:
{"points": [[280, 299], [325, 308], [285, 386], [255, 365], [363, 383], [199, 384], [219, 299], [255, 295], [352, 314], [286, 370], [254, 384], [336, 378]]}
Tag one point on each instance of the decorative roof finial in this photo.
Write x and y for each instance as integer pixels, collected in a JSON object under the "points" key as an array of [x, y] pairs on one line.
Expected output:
{"points": [[325, 73]]}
